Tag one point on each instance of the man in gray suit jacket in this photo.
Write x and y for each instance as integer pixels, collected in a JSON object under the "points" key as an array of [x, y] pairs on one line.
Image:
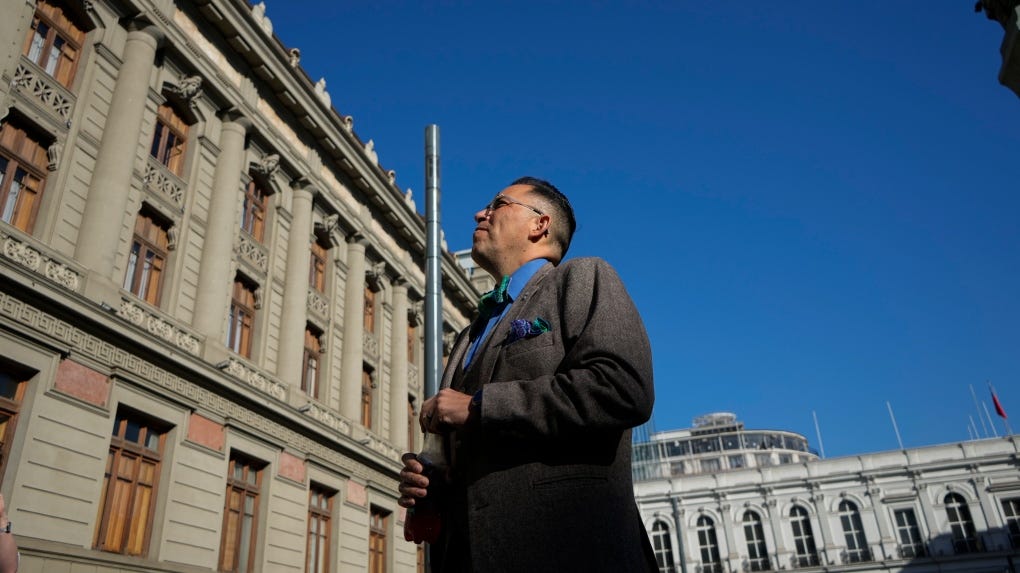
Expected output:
{"points": [[537, 404]]}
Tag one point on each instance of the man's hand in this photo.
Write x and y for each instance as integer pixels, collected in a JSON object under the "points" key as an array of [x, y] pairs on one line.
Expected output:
{"points": [[412, 483], [449, 409]]}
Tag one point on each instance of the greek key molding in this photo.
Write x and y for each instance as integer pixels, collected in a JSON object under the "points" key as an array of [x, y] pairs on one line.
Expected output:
{"points": [[157, 326], [40, 264], [31, 318], [255, 379], [158, 180], [252, 252], [44, 90]]}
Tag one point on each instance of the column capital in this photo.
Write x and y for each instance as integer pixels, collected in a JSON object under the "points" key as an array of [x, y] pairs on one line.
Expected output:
{"points": [[233, 117], [140, 28]]}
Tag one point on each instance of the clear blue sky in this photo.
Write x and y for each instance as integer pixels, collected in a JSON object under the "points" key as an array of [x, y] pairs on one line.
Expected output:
{"points": [[814, 205]]}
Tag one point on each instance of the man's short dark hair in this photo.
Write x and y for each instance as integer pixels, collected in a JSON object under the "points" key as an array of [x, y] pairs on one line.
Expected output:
{"points": [[564, 222]]}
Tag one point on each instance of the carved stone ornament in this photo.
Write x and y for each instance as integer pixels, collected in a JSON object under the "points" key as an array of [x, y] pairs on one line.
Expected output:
{"points": [[375, 274], [328, 224], [294, 57], [172, 234], [259, 12], [348, 121], [267, 165], [259, 298], [415, 312], [392, 175], [321, 93], [370, 151], [188, 88], [53, 156], [449, 338]]}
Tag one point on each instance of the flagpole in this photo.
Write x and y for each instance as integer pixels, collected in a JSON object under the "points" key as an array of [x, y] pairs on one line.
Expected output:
{"points": [[990, 422], [895, 427], [818, 432], [975, 435], [978, 408]]}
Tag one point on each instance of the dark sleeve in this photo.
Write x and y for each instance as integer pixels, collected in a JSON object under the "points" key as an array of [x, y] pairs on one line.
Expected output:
{"points": [[604, 380]]}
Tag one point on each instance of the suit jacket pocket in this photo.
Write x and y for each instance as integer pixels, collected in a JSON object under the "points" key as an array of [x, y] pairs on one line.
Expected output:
{"points": [[529, 344]]}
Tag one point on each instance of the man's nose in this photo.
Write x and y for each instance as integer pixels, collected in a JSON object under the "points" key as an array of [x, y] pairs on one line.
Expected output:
{"points": [[482, 215]]}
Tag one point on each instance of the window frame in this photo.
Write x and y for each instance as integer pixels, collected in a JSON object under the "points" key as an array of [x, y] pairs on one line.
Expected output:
{"points": [[255, 209], [369, 310], [248, 489], [662, 546], [317, 265], [145, 221], [754, 536], [1011, 519], [132, 542], [24, 157], [320, 514], [708, 545], [311, 372], [908, 532], [961, 524], [378, 539], [366, 397], [170, 153], [804, 546], [11, 376], [58, 25], [856, 539], [241, 317]]}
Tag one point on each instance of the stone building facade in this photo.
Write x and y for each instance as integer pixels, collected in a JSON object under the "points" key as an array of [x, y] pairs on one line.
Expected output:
{"points": [[950, 507], [210, 299]]}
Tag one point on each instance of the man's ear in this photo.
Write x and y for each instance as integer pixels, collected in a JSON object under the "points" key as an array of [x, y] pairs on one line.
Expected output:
{"points": [[540, 228]]}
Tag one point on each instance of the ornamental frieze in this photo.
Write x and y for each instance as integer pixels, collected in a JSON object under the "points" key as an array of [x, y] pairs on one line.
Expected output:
{"points": [[37, 262], [160, 182], [45, 92], [157, 326], [252, 252], [255, 379]]}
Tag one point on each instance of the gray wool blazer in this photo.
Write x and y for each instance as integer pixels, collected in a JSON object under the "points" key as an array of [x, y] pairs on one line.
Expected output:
{"points": [[543, 481]]}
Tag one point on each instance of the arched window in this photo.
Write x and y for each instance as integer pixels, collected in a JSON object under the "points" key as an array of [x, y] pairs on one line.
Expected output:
{"points": [[754, 534], [709, 545], [662, 547], [853, 532], [961, 524], [803, 537]]}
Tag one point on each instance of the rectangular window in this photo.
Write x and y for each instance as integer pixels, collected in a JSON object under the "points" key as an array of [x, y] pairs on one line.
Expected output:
{"points": [[129, 484], [1011, 509], [317, 268], [310, 374], [253, 216], [54, 43], [366, 398], [909, 534], [241, 318], [146, 261], [320, 513], [170, 139], [13, 381], [737, 461], [240, 514], [22, 175], [378, 526], [369, 310]]}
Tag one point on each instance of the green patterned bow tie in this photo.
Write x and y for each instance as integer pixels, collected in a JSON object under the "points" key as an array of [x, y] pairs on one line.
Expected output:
{"points": [[493, 300]]}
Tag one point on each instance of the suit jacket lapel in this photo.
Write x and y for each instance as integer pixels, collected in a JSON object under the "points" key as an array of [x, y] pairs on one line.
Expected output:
{"points": [[485, 358]]}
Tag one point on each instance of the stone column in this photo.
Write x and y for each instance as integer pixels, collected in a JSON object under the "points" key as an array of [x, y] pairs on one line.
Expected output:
{"points": [[295, 288], [828, 550], [732, 557], [886, 537], [352, 358], [99, 235], [221, 227], [398, 368], [774, 518]]}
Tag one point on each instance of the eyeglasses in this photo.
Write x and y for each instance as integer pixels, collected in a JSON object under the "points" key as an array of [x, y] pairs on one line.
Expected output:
{"points": [[503, 200]]}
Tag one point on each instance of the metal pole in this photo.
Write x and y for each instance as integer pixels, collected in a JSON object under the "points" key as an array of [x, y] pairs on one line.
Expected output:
{"points": [[433, 266], [433, 278], [894, 426], [818, 432]]}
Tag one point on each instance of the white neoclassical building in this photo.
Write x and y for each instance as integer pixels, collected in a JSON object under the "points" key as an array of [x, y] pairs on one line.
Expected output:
{"points": [[949, 507], [210, 299]]}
